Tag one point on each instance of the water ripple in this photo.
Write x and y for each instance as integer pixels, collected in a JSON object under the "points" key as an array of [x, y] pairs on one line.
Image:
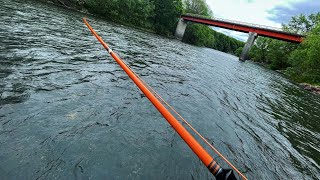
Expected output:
{"points": [[68, 111]]}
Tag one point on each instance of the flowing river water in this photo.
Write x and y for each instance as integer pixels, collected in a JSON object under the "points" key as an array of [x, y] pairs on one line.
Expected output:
{"points": [[67, 110]]}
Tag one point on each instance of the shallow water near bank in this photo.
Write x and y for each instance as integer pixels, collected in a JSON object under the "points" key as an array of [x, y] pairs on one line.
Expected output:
{"points": [[67, 110]]}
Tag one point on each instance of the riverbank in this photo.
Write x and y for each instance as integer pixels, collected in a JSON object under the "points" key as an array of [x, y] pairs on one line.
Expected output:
{"points": [[300, 62], [310, 87], [306, 86]]}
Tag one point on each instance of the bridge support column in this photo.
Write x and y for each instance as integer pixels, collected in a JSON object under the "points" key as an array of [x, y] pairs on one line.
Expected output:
{"points": [[247, 47], [181, 28]]}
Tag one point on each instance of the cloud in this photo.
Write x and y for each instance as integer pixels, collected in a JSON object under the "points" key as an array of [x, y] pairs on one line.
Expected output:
{"points": [[238, 35], [264, 12], [247, 11], [281, 14]]}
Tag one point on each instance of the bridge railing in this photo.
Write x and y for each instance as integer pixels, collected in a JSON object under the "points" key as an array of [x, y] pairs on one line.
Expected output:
{"points": [[238, 22], [250, 24]]}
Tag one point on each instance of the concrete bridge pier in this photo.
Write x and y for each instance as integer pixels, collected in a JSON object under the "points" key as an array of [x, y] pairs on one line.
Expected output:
{"points": [[181, 28], [247, 46]]}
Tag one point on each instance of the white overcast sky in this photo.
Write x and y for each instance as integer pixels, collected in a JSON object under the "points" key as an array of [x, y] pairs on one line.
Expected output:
{"points": [[264, 12]]}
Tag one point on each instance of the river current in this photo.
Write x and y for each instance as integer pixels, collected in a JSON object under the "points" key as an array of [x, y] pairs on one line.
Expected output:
{"points": [[67, 110]]}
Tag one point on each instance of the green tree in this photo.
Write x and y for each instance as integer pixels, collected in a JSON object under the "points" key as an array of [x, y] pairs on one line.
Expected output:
{"points": [[260, 50], [302, 24], [278, 54], [166, 15], [272, 52], [137, 12], [238, 51], [262, 44], [305, 60], [302, 62], [198, 7], [199, 35]]}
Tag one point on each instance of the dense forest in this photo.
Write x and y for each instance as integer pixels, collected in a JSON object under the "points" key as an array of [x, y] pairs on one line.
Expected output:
{"points": [[161, 17], [301, 62]]}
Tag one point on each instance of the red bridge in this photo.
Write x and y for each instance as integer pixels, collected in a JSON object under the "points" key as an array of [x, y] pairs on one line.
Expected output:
{"points": [[254, 30]]}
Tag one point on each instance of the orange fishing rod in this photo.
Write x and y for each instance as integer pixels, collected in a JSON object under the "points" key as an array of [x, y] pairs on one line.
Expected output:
{"points": [[204, 156]]}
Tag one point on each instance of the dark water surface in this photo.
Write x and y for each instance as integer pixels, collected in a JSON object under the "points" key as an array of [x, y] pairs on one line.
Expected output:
{"points": [[67, 111]]}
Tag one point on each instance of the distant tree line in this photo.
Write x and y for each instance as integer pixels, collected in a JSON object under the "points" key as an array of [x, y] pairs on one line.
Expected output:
{"points": [[300, 61], [160, 16], [202, 35]]}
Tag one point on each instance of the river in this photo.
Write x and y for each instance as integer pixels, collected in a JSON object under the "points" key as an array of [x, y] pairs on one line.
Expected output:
{"points": [[67, 110]]}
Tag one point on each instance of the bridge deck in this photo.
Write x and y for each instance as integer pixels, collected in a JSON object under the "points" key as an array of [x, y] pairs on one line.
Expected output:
{"points": [[265, 31]]}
